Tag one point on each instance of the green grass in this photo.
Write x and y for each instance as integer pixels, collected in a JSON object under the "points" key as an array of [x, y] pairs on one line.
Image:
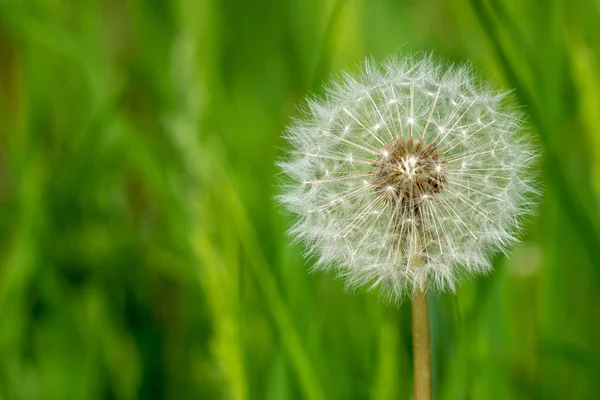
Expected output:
{"points": [[142, 254]]}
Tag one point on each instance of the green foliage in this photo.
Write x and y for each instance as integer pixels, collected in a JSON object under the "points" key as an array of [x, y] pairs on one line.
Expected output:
{"points": [[142, 254]]}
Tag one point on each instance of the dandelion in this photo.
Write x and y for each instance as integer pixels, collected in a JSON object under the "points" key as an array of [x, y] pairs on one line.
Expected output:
{"points": [[408, 177]]}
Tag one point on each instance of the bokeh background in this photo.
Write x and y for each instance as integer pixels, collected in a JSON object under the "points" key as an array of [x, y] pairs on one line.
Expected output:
{"points": [[142, 255]]}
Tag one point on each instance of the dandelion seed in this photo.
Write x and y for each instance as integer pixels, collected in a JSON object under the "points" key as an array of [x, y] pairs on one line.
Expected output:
{"points": [[423, 204]]}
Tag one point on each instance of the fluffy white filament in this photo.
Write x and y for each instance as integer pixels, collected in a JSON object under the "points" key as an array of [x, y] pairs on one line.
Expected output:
{"points": [[350, 227]]}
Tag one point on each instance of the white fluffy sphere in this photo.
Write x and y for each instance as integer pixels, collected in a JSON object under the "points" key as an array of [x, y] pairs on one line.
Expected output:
{"points": [[408, 176]]}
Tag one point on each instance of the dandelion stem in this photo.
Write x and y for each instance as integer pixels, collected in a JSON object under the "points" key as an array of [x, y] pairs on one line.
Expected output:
{"points": [[421, 352]]}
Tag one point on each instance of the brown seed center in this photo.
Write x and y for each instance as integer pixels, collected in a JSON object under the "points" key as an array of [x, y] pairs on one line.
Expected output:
{"points": [[407, 172]]}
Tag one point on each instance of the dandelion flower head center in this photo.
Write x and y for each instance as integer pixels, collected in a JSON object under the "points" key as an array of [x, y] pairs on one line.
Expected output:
{"points": [[407, 172]]}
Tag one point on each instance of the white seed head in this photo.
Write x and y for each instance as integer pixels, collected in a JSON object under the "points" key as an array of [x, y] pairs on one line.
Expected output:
{"points": [[419, 174]]}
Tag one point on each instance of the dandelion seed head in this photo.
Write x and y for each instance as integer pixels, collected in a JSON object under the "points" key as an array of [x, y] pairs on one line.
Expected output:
{"points": [[408, 177]]}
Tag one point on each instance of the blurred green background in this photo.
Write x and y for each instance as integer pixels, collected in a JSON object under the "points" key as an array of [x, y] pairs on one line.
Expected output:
{"points": [[142, 255]]}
